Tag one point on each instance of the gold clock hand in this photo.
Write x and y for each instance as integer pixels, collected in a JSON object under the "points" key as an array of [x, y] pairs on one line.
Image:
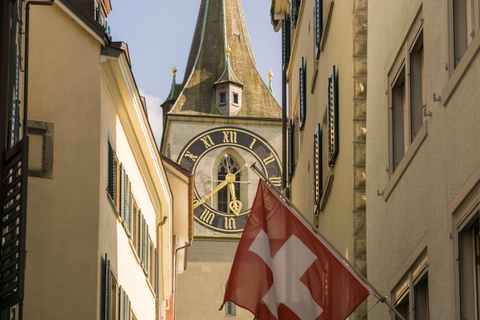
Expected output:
{"points": [[235, 205], [229, 178], [217, 188]]}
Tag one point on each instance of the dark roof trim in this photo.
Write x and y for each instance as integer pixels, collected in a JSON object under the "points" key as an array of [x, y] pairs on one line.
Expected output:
{"points": [[84, 17]]}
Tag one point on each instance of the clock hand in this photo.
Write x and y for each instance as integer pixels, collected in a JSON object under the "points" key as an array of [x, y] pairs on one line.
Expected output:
{"points": [[217, 188], [235, 205], [229, 178]]}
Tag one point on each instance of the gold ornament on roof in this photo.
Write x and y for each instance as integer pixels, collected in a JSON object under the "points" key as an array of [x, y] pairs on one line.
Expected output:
{"points": [[228, 51], [270, 75], [174, 70]]}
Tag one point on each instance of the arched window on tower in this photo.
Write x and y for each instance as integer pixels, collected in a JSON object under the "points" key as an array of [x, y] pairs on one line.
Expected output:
{"points": [[224, 197]]}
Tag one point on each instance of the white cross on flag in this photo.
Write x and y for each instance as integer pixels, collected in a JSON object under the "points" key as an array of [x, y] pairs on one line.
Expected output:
{"points": [[282, 270]]}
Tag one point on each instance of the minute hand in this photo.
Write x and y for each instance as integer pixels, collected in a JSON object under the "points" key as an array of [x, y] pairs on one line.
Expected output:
{"points": [[217, 188]]}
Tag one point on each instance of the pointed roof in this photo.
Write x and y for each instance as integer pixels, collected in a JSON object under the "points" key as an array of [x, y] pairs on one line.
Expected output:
{"points": [[221, 25]]}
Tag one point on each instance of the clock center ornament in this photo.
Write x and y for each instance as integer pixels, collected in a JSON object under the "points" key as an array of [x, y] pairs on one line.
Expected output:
{"points": [[224, 191]]}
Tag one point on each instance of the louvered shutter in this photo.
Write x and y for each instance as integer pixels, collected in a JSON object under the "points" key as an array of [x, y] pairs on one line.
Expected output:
{"points": [[286, 43], [294, 12], [107, 292], [332, 118], [111, 172], [303, 93], [128, 209], [120, 304], [318, 22], [140, 237], [291, 151], [122, 191], [147, 248], [317, 151]]}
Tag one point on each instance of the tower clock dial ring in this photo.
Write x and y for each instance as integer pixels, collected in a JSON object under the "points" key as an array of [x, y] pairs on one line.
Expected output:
{"points": [[209, 144]]}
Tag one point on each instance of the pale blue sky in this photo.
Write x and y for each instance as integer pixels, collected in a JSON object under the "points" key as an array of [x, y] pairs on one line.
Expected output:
{"points": [[159, 34]]}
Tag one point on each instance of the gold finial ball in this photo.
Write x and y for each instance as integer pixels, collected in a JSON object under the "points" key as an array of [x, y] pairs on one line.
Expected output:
{"points": [[270, 75], [174, 70], [228, 51]]}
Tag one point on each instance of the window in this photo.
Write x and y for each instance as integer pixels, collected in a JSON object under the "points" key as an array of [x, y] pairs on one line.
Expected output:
{"points": [[229, 309], [111, 172], [144, 245], [124, 305], [410, 296], [235, 98], [135, 221], [294, 12], [286, 43], [125, 200], [332, 117], [223, 97], [291, 150], [228, 163], [303, 93], [406, 94], [318, 24], [468, 271], [317, 161], [40, 163], [465, 22], [152, 266]]}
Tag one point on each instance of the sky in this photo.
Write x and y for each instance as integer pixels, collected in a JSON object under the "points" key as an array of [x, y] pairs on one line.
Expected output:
{"points": [[159, 34]]}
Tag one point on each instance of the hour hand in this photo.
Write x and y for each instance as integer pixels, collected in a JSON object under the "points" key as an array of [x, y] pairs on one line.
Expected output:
{"points": [[235, 205]]}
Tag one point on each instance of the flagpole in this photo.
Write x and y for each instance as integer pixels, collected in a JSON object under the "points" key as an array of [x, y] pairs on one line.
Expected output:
{"points": [[377, 293]]}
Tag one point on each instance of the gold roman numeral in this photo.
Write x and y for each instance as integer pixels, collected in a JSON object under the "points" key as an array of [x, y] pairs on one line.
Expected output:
{"points": [[268, 160], [207, 216], [230, 224], [229, 137], [207, 141], [276, 181], [190, 155], [253, 142]]}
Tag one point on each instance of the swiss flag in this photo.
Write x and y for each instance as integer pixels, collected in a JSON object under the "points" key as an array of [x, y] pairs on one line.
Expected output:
{"points": [[282, 270]]}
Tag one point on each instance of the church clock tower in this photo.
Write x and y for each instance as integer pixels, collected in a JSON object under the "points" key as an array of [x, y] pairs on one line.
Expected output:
{"points": [[221, 119]]}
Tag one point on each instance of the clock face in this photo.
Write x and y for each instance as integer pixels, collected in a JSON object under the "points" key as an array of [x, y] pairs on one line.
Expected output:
{"points": [[224, 185]]}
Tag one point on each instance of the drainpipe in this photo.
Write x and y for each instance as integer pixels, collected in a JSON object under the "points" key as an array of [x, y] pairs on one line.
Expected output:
{"points": [[175, 278]]}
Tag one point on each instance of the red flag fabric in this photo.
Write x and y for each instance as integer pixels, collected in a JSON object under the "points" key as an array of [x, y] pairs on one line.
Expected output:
{"points": [[282, 270]]}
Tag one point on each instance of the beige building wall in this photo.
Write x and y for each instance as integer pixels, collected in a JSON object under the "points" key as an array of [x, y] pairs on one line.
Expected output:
{"points": [[83, 92], [65, 91], [340, 214], [418, 208]]}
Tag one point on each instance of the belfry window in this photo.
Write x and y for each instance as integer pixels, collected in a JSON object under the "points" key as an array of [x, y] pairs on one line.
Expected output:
{"points": [[227, 165], [235, 98], [223, 97]]}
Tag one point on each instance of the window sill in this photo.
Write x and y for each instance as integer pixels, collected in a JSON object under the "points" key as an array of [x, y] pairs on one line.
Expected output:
{"points": [[407, 158], [460, 70]]}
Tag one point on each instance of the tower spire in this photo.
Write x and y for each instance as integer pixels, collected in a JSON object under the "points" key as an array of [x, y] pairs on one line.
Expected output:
{"points": [[221, 52]]}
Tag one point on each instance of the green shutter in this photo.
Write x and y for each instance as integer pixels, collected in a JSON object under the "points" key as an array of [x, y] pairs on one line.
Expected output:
{"points": [[122, 191], [286, 43], [139, 235], [318, 22], [303, 93], [317, 161], [120, 304], [291, 151], [147, 249], [111, 172], [106, 301], [332, 118], [128, 209]]}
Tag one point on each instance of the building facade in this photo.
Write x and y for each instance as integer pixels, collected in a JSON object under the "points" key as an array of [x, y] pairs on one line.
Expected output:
{"points": [[219, 120], [422, 157], [104, 212], [325, 85]]}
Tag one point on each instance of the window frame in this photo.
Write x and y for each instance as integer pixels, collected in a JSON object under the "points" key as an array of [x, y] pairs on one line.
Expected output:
{"points": [[455, 72], [465, 211], [332, 117], [318, 164], [412, 272], [400, 63], [302, 88]]}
